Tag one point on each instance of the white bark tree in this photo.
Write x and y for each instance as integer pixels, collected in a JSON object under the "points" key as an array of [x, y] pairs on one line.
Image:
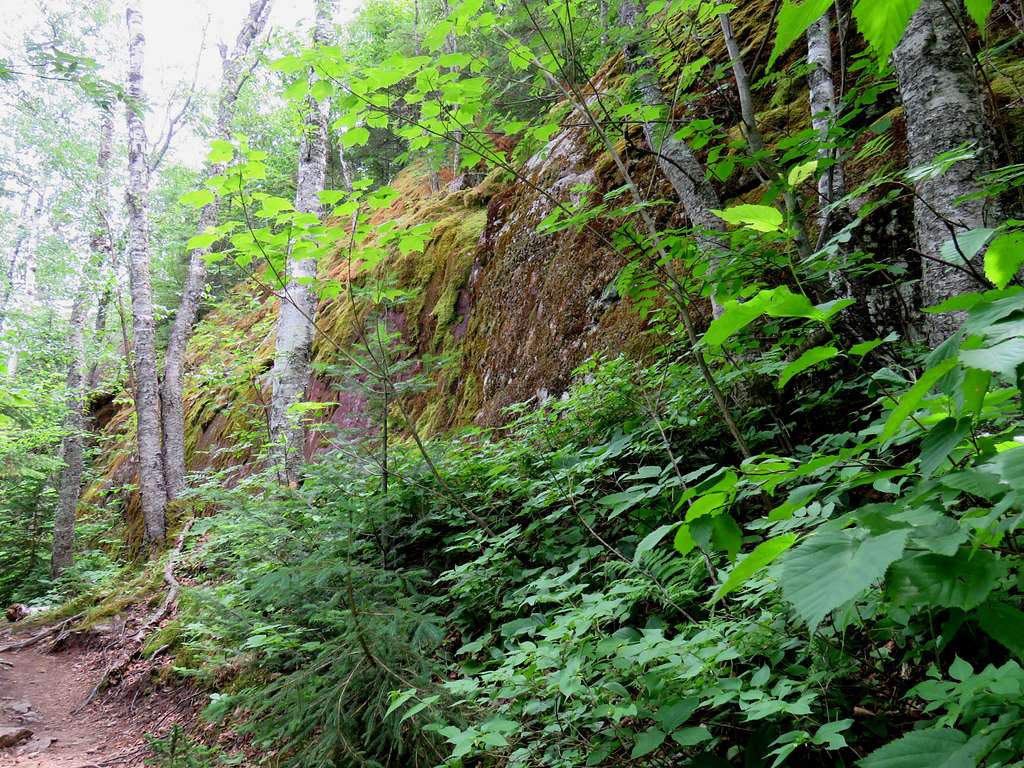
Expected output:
{"points": [[675, 159], [822, 96], [172, 400], [298, 300], [70, 485], [942, 102], [22, 280], [147, 390]]}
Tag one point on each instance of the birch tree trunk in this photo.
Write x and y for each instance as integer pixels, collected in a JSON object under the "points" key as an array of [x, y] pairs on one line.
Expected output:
{"points": [[172, 395], [943, 106], [13, 262], [822, 95], [298, 300], [23, 275], [70, 484], [675, 159], [147, 390]]}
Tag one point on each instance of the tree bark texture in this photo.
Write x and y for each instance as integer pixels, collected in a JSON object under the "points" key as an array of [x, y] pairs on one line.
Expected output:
{"points": [[675, 159], [70, 483], [22, 282], [147, 391], [172, 389], [822, 95], [298, 300], [943, 105]]}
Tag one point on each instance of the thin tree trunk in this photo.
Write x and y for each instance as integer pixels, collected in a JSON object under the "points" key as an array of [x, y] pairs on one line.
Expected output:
{"points": [[99, 337], [822, 94], [676, 160], [172, 395], [12, 264], [23, 282], [147, 390], [70, 484], [298, 300], [943, 108], [755, 142]]}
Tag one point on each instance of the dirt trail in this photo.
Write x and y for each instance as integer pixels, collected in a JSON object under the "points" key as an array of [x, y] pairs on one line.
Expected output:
{"points": [[40, 692]]}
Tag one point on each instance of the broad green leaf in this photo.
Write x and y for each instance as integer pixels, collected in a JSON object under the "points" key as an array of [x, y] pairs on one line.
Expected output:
{"points": [[709, 504], [198, 198], [203, 240], [807, 360], [793, 21], [999, 358], [671, 716], [1005, 624], [220, 151], [927, 748], [1004, 258], [647, 742], [684, 542], [763, 554], [961, 581], [833, 567], [966, 246], [883, 22], [940, 442], [762, 218], [354, 136], [801, 173], [907, 402], [776, 302], [979, 11]]}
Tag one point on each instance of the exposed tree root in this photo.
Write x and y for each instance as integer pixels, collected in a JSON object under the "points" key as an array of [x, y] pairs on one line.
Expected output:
{"points": [[56, 629]]}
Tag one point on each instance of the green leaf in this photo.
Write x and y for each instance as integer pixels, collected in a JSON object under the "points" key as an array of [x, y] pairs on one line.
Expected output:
{"points": [[203, 240], [961, 581], [709, 504], [671, 716], [794, 19], [807, 360], [355, 136], [684, 542], [928, 748], [776, 302], [940, 442], [909, 400], [220, 151], [647, 742], [833, 567], [999, 358], [979, 11], [883, 22], [762, 218], [760, 556], [1004, 258], [652, 539], [198, 198], [1004, 624]]}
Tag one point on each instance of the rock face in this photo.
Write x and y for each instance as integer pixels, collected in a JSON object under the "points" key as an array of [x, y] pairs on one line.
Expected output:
{"points": [[13, 735]]}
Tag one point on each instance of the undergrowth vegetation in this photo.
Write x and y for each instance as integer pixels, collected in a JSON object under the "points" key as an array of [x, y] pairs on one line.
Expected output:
{"points": [[630, 591]]}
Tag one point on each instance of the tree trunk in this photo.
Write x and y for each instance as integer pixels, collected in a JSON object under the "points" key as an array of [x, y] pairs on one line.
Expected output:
{"points": [[172, 392], [943, 106], [676, 160], [70, 485], [298, 300], [147, 391], [21, 286], [71, 475], [822, 93], [12, 263]]}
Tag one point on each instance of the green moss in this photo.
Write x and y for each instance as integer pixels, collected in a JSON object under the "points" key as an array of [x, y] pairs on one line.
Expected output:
{"points": [[168, 636]]}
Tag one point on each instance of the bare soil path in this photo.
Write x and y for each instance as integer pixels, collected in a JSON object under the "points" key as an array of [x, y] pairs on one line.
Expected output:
{"points": [[40, 692]]}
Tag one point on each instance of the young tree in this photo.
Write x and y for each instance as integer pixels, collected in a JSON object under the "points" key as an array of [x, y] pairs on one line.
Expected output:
{"points": [[944, 111], [172, 401], [297, 312], [70, 484], [676, 160], [822, 96], [147, 391]]}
